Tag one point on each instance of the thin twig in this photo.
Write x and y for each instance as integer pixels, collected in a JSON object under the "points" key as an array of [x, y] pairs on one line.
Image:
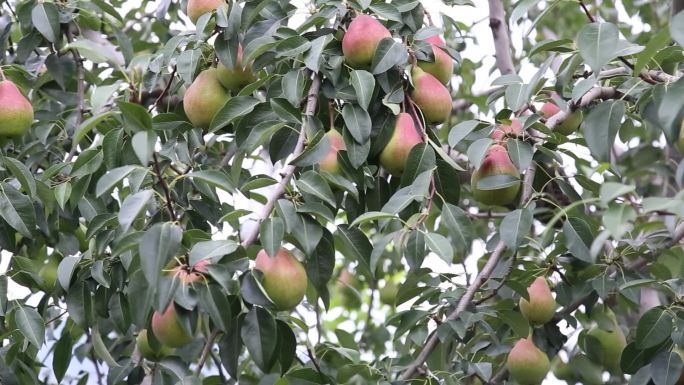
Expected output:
{"points": [[166, 89], [205, 352], [164, 186], [315, 363]]}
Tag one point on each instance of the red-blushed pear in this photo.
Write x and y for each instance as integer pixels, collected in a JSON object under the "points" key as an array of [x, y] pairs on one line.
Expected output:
{"points": [[197, 8], [431, 96], [496, 163], [612, 342], [361, 40], [405, 136], [443, 66], [284, 278], [168, 329], [204, 98], [549, 109], [514, 128], [202, 266], [542, 306], [527, 364], [147, 351], [330, 162], [238, 77], [16, 112], [567, 126]]}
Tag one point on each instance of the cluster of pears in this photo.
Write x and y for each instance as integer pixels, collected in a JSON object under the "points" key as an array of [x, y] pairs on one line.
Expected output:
{"points": [[16, 112], [526, 363]]}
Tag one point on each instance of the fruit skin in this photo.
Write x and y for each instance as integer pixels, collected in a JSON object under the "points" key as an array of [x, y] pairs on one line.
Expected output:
{"points": [[361, 40], [168, 329], [431, 96], [197, 8], [238, 77], [541, 307], [496, 162], [567, 126], [388, 293], [549, 109], [204, 98], [16, 112], [284, 278], [612, 341], [146, 350], [527, 364], [405, 136], [330, 163], [48, 272], [443, 66], [561, 369], [513, 129]]}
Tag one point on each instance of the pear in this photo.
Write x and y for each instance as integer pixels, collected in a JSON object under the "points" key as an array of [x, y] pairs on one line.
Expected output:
{"points": [[612, 342], [549, 109], [147, 351], [431, 96], [527, 364], [16, 112], [204, 98], [496, 163], [197, 8], [238, 77], [168, 329], [514, 128], [405, 136], [561, 369], [541, 307], [330, 163], [567, 126], [442, 67], [388, 293], [284, 278], [361, 40]]}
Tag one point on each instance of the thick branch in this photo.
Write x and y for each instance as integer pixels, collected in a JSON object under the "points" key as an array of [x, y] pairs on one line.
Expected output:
{"points": [[287, 172], [593, 94], [502, 40]]}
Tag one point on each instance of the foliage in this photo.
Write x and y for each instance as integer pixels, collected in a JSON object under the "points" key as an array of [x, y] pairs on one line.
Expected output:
{"points": [[114, 205]]}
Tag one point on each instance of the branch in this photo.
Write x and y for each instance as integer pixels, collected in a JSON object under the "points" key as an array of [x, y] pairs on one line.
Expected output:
{"points": [[593, 94], [205, 352], [165, 91], [164, 186], [288, 171], [80, 91], [502, 40]]}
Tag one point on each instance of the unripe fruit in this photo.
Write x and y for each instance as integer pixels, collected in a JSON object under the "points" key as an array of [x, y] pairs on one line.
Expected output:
{"points": [[16, 112], [405, 136], [168, 329], [612, 342], [361, 40], [284, 278], [496, 163], [541, 307], [443, 66], [561, 369], [567, 126], [48, 272], [527, 364], [431, 96], [204, 98], [513, 129], [238, 77], [146, 350], [388, 293], [330, 163], [197, 8]]}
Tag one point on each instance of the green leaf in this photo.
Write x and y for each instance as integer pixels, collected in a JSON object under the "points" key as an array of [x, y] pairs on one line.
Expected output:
{"points": [[17, 210], [440, 246], [88, 162], [458, 226], [371, 216], [143, 145], [577, 238], [666, 368], [65, 270], [601, 126], [157, 247], [312, 59], [313, 183], [62, 356], [112, 178], [388, 11], [516, 96], [520, 152], [655, 44], [45, 17], [30, 324], [461, 130], [364, 84], [611, 190], [214, 178], [496, 182], [515, 226], [315, 151], [654, 327], [215, 303], [599, 43], [421, 159], [677, 28], [292, 46], [271, 232], [478, 150], [92, 51], [211, 250], [23, 175], [358, 122], [62, 193], [101, 349], [132, 207], [259, 334], [3, 295], [320, 264], [234, 108], [388, 54], [354, 244]]}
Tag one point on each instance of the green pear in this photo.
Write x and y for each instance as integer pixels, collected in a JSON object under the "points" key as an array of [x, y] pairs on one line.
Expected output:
{"points": [[236, 78], [361, 40], [388, 293], [612, 342], [496, 163], [405, 136], [284, 278], [330, 162], [16, 112], [48, 272], [443, 66], [527, 364], [146, 350], [197, 8], [168, 328], [204, 98], [571, 123], [561, 369], [431, 96], [514, 128], [541, 307]]}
